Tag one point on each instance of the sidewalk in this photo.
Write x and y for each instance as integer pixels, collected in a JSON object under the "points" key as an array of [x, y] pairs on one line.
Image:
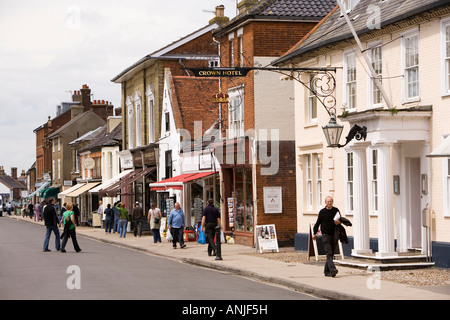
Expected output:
{"points": [[306, 278]]}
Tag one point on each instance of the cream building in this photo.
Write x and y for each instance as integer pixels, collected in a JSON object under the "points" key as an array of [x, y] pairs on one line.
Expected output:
{"points": [[394, 185]]}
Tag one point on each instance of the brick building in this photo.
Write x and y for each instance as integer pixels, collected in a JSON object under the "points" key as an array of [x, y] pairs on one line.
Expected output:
{"points": [[258, 121]]}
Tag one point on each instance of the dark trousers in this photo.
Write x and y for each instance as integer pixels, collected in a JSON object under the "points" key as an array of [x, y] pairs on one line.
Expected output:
{"points": [[138, 225], [177, 234], [329, 245], [70, 233], [210, 231]]}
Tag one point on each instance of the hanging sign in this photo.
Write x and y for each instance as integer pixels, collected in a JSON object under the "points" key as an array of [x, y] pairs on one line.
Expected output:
{"points": [[219, 72], [267, 238]]}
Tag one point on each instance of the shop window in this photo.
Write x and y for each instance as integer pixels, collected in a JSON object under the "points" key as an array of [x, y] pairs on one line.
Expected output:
{"points": [[168, 164], [243, 195]]}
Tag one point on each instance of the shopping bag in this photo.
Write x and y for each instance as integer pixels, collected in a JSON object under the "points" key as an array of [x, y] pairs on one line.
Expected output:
{"points": [[201, 237], [169, 235]]}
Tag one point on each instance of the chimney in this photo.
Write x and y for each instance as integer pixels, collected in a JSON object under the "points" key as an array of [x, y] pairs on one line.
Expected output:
{"points": [[75, 111], [245, 5], [86, 97], [14, 173], [2, 171], [49, 124], [220, 18], [76, 97]]}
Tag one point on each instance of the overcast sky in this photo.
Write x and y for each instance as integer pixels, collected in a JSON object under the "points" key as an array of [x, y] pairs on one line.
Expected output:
{"points": [[50, 48]]}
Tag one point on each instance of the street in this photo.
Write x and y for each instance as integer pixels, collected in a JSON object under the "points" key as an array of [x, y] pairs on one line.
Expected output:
{"points": [[104, 271]]}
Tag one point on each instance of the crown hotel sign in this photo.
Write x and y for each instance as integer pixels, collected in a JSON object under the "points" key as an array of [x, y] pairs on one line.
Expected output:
{"points": [[220, 72]]}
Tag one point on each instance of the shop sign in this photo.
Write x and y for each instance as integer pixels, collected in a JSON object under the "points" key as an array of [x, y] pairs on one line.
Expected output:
{"points": [[267, 238], [273, 200], [220, 72]]}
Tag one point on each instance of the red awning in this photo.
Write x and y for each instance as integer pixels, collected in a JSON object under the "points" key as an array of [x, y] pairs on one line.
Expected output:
{"points": [[178, 181]]}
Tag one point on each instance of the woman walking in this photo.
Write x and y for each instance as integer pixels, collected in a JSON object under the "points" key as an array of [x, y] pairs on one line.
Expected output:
{"points": [[123, 219], [69, 228], [154, 218]]}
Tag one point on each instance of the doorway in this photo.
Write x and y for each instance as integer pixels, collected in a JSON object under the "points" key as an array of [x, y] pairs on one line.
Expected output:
{"points": [[413, 203]]}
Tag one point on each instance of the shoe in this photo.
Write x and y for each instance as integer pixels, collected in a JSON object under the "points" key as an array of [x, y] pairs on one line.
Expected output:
{"points": [[62, 250], [333, 273], [174, 247], [47, 250], [79, 250], [183, 246]]}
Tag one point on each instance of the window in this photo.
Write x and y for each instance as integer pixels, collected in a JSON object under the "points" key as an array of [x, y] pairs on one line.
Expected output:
{"points": [[151, 115], [97, 170], [350, 80], [309, 182], [312, 100], [130, 123], [236, 113], [137, 101], [446, 57], [411, 66], [447, 187], [167, 120], [53, 145], [59, 144], [53, 170], [350, 203], [168, 164], [214, 63], [318, 181], [243, 199], [110, 165], [59, 169], [231, 48], [374, 181], [376, 59]]}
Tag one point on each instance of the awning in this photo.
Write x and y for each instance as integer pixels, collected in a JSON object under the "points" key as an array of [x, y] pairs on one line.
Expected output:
{"points": [[64, 193], [442, 151], [110, 182], [39, 189], [114, 189], [178, 181], [51, 192], [82, 189]]}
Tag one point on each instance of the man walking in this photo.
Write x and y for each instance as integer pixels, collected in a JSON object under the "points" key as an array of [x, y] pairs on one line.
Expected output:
{"points": [[136, 218], [51, 224], [210, 220], [327, 220], [176, 225]]}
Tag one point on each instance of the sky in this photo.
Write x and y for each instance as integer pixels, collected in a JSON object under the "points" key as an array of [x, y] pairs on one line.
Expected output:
{"points": [[50, 48]]}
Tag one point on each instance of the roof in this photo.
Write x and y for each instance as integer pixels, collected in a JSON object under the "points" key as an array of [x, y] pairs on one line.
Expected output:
{"points": [[89, 113], [11, 182], [191, 100], [282, 10], [104, 138], [162, 53], [333, 28]]}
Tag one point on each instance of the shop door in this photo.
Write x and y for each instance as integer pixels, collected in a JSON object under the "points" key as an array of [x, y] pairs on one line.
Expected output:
{"points": [[413, 170]]}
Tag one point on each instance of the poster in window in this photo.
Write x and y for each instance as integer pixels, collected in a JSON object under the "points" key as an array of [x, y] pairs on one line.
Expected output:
{"points": [[273, 200]]}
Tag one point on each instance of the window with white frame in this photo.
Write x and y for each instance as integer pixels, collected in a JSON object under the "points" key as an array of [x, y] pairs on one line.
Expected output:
{"points": [[53, 145], [374, 200], [53, 170], [309, 182], [350, 191], [59, 169], [110, 165], [318, 167], [236, 112], [446, 167], [130, 123], [59, 144], [312, 100], [137, 102], [376, 60], [411, 66], [446, 57], [231, 48], [350, 80], [151, 118]]}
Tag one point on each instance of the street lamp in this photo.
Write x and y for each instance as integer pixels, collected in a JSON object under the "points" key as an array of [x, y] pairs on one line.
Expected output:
{"points": [[333, 132]]}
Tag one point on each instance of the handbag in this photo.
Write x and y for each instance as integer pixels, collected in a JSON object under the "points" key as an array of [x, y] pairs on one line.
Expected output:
{"points": [[156, 220], [201, 237]]}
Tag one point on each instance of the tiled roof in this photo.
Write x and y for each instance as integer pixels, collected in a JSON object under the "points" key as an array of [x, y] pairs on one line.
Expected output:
{"points": [[11, 183], [103, 138], [333, 28], [298, 8]]}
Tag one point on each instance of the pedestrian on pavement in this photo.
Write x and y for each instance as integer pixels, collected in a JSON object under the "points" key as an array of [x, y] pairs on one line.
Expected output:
{"points": [[63, 209], [9, 208], [327, 220], [37, 211], [154, 218], [30, 209], [51, 224], [210, 220], [100, 212], [136, 217], [176, 225], [116, 217], [109, 216], [69, 228], [123, 219], [76, 212]]}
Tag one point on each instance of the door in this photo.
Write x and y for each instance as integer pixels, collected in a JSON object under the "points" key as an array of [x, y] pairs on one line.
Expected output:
{"points": [[415, 240]]}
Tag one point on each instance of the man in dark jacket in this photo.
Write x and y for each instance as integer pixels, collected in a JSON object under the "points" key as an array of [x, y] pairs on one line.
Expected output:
{"points": [[327, 220], [51, 224], [136, 218], [210, 220]]}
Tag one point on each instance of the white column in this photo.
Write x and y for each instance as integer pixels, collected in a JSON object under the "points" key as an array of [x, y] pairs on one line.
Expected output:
{"points": [[385, 203], [360, 198]]}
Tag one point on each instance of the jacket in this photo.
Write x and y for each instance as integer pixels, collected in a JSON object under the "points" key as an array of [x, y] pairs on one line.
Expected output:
{"points": [[339, 232]]}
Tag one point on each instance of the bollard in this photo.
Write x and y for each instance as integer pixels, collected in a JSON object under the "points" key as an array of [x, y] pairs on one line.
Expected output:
{"points": [[218, 244]]}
